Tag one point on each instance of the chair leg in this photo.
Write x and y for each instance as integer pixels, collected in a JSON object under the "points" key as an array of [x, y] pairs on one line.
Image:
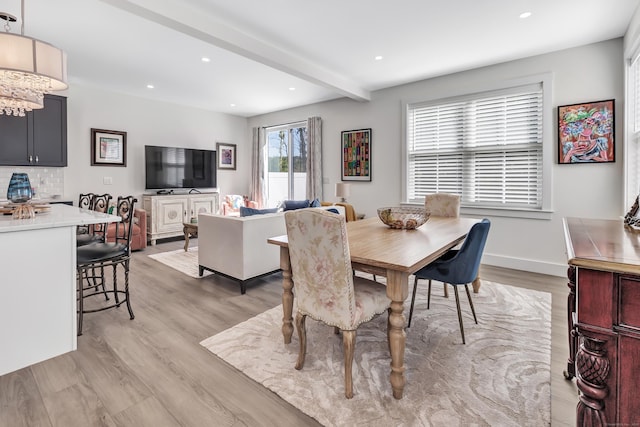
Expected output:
{"points": [[429, 295], [302, 334], [349, 343], [126, 289], [413, 300], [455, 290], [446, 290], [374, 278], [389, 329], [80, 301], [473, 310]]}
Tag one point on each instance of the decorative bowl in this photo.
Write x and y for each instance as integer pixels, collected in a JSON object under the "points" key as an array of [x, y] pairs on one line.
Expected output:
{"points": [[407, 218]]}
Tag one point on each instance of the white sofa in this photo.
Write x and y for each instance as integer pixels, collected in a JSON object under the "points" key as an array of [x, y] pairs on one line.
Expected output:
{"points": [[236, 247]]}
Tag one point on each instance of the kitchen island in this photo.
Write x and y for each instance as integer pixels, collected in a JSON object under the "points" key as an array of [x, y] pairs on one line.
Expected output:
{"points": [[38, 285]]}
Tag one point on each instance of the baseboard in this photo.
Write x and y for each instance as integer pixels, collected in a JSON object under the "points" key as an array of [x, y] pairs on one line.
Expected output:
{"points": [[533, 266]]}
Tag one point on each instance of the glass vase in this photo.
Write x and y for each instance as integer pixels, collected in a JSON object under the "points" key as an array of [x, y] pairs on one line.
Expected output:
{"points": [[19, 190]]}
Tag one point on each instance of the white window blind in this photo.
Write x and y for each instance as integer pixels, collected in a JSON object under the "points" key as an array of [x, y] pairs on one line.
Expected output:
{"points": [[632, 149], [486, 147]]}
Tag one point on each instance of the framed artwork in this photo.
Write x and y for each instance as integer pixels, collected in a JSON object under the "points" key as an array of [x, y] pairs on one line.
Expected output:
{"points": [[585, 132], [108, 148], [226, 155], [356, 155]]}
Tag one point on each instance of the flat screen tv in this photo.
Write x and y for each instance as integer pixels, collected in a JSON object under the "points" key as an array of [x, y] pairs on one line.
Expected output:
{"points": [[173, 167]]}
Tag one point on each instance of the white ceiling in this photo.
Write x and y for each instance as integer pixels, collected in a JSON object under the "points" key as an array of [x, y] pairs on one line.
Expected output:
{"points": [[324, 49]]}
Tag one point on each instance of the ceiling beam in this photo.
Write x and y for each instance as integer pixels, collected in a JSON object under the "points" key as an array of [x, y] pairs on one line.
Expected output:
{"points": [[190, 21]]}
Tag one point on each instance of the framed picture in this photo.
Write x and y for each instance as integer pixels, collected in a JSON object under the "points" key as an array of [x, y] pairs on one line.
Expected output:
{"points": [[108, 148], [226, 155], [356, 155], [585, 133]]}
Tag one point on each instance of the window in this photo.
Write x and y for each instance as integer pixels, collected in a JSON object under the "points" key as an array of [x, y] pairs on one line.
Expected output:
{"points": [[486, 147], [286, 163], [633, 133]]}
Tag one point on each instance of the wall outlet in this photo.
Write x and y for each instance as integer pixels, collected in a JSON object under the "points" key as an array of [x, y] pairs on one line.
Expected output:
{"points": [[107, 180]]}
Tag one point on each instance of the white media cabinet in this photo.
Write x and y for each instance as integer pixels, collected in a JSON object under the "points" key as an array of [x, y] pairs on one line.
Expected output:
{"points": [[166, 213]]}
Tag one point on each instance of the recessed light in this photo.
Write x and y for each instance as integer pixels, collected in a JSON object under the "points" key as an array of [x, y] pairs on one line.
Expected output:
{"points": [[232, 105], [292, 88], [524, 15], [205, 59], [378, 58], [150, 86]]}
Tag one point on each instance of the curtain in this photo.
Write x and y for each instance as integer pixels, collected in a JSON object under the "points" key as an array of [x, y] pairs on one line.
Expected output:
{"points": [[256, 187], [314, 158]]}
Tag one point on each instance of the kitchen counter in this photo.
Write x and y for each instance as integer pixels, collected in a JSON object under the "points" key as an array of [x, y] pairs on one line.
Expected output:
{"points": [[59, 215], [38, 286]]}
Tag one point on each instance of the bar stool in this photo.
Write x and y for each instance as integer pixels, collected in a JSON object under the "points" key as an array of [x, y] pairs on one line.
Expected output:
{"points": [[94, 257]]}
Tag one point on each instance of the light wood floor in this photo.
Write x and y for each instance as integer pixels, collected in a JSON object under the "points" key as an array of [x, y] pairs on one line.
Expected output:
{"points": [[151, 371]]}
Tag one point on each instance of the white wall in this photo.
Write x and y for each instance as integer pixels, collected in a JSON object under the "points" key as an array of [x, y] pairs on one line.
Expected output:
{"points": [[588, 73], [146, 122]]}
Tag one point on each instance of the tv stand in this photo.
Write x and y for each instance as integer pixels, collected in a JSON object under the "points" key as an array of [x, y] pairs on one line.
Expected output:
{"points": [[167, 212]]}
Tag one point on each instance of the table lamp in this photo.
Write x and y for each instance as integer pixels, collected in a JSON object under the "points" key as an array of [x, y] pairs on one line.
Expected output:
{"points": [[343, 191]]}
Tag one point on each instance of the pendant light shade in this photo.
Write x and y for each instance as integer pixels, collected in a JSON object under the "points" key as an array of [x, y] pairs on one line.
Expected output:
{"points": [[29, 68]]}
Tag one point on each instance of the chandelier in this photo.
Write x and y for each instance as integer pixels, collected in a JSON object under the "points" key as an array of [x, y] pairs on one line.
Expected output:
{"points": [[29, 68]]}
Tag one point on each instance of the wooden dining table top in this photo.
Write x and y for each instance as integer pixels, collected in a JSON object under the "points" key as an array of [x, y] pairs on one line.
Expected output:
{"points": [[375, 244]]}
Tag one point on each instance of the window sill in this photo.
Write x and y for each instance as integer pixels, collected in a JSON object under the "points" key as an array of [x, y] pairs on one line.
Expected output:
{"points": [[500, 212]]}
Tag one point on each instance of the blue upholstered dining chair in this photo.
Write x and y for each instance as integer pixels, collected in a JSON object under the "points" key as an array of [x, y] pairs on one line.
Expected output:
{"points": [[325, 288], [456, 267]]}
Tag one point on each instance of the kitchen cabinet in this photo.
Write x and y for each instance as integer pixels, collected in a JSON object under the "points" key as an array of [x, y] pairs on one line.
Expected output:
{"points": [[39, 138]]}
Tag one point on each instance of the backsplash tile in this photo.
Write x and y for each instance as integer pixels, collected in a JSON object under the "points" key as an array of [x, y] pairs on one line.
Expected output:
{"points": [[47, 182]]}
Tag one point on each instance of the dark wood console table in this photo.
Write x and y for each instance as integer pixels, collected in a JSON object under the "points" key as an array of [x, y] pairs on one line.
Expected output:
{"points": [[604, 320]]}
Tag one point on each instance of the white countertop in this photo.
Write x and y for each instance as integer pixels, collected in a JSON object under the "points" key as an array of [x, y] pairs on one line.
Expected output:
{"points": [[59, 215]]}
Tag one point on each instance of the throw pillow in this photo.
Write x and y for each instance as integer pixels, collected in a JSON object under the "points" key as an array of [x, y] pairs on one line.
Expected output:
{"points": [[315, 204], [251, 211], [290, 205]]}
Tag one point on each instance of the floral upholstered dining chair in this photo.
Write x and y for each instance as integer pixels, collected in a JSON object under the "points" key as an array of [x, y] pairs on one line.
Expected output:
{"points": [[325, 287], [446, 205], [443, 204]]}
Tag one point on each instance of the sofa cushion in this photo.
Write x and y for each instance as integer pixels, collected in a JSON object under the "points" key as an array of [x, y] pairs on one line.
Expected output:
{"points": [[251, 211], [290, 205]]}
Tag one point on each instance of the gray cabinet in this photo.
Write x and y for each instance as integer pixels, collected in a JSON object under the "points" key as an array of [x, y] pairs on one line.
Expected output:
{"points": [[39, 138]]}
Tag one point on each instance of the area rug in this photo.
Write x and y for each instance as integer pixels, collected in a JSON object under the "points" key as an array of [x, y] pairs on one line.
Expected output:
{"points": [[184, 262], [501, 377]]}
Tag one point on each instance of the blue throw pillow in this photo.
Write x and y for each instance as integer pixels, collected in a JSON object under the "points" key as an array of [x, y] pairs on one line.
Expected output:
{"points": [[315, 204], [251, 211], [290, 205]]}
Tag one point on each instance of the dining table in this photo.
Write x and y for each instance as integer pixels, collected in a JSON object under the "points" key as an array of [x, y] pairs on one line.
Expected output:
{"points": [[393, 253]]}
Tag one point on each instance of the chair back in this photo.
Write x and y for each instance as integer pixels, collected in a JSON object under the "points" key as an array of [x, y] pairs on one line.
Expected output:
{"points": [[124, 229], [100, 203], [85, 201], [321, 266], [442, 204], [465, 264]]}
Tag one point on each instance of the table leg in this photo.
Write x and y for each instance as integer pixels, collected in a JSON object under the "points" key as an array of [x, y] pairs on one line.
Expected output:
{"points": [[185, 230], [397, 291], [476, 285], [287, 295]]}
